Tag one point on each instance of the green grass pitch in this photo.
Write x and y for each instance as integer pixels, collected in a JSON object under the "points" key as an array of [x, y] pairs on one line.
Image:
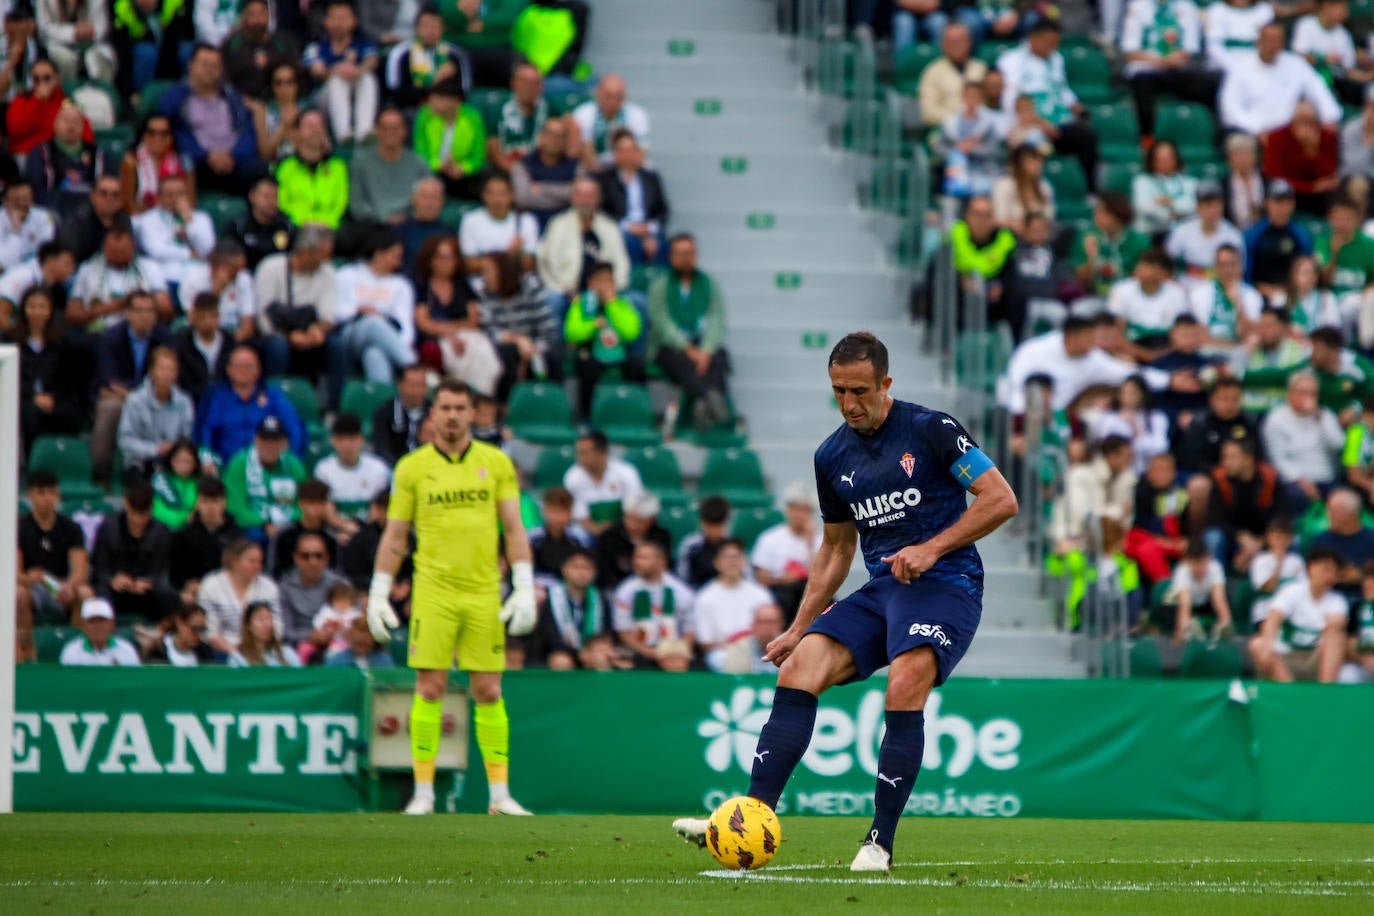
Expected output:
{"points": [[68, 863]]}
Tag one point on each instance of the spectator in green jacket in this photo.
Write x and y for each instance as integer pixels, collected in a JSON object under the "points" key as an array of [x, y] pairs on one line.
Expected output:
{"points": [[979, 247], [450, 137], [601, 328], [687, 332], [174, 484], [312, 185], [1107, 251], [1345, 378], [260, 482]]}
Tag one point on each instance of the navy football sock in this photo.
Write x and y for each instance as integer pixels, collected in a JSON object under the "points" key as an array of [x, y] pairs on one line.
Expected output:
{"points": [[899, 762], [782, 743]]}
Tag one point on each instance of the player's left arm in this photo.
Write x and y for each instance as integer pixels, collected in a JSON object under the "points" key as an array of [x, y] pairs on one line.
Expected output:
{"points": [[993, 504]]}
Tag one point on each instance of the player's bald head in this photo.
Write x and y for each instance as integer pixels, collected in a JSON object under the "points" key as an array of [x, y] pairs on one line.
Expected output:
{"points": [[861, 347]]}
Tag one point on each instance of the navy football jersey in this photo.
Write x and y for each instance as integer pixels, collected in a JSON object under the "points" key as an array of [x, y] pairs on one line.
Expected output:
{"points": [[902, 485]]}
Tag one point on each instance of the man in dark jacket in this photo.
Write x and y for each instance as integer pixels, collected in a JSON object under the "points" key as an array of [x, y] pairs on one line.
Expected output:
{"points": [[1245, 494], [633, 196], [197, 548], [129, 563], [253, 51], [396, 423], [84, 231], [262, 229], [1197, 446], [64, 170], [213, 126], [121, 361], [615, 547], [202, 348]]}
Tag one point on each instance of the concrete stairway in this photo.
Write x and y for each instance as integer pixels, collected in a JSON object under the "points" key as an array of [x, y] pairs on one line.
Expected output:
{"points": [[743, 151]]}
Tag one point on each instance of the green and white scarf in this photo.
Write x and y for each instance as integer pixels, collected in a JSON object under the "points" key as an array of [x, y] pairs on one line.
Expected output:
{"points": [[517, 130], [573, 631]]}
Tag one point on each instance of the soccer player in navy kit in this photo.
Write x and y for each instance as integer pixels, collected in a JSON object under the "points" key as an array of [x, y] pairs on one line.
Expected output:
{"points": [[892, 479]]}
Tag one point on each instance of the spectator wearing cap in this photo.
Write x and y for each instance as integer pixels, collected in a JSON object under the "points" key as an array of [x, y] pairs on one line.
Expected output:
{"points": [[225, 278], [654, 611], [542, 179], [296, 295], [552, 542], [942, 83], [212, 125], [1304, 441], [233, 410], [353, 475], [1193, 243], [1261, 90], [1344, 252], [129, 561], [577, 239], [54, 568], [727, 607], [260, 482], [1147, 303], [198, 545], [202, 348], [596, 119], [1036, 68], [98, 646], [1244, 185], [1274, 241], [374, 314], [616, 544], [173, 234], [262, 229], [603, 330], [1107, 250], [102, 283], [230, 591], [451, 139], [1162, 196], [1225, 304], [345, 62], [599, 483], [383, 175], [156, 413], [1357, 150], [312, 183], [83, 229], [23, 226], [1162, 43], [1306, 154], [634, 197], [123, 358], [782, 555]]}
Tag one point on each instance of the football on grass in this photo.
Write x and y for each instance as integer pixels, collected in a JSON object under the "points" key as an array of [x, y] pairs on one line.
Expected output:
{"points": [[743, 833]]}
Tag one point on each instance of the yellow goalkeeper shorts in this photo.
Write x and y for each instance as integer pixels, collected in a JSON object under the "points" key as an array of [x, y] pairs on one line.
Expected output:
{"points": [[445, 623]]}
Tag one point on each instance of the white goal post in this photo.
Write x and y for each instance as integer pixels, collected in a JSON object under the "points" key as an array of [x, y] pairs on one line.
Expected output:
{"points": [[9, 521]]}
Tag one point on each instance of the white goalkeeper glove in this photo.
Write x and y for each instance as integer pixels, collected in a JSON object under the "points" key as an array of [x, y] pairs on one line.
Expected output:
{"points": [[381, 619], [518, 612]]}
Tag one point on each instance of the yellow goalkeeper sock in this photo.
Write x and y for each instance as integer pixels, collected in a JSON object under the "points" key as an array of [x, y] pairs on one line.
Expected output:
{"points": [[493, 739], [426, 717]]}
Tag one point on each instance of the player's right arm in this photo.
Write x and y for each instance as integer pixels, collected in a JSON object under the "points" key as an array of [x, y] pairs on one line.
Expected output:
{"points": [[381, 618], [828, 572]]}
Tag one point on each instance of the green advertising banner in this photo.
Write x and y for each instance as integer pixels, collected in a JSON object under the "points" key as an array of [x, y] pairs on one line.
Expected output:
{"points": [[169, 739], [648, 743]]}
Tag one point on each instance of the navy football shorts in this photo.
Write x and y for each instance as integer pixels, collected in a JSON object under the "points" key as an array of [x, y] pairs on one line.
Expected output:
{"points": [[885, 618]]}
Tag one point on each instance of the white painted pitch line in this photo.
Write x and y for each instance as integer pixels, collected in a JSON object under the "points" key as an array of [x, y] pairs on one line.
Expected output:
{"points": [[1277, 888], [1084, 862]]}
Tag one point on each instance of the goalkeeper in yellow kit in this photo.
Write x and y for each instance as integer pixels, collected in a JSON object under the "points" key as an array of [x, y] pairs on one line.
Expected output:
{"points": [[461, 496]]}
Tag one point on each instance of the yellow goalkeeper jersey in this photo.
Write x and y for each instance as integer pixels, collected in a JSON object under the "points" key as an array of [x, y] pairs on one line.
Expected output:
{"points": [[451, 501]]}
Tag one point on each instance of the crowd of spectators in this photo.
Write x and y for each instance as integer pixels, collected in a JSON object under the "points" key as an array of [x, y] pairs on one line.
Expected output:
{"points": [[1169, 218], [310, 199]]}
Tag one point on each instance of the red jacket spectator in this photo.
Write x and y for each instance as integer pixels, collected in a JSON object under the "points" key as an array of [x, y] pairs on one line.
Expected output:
{"points": [[1306, 153], [29, 120]]}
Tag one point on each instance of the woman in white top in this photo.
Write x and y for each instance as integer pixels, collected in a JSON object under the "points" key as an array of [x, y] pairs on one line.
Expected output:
{"points": [[1023, 190], [1309, 307], [261, 645], [1162, 196], [1132, 417], [226, 594]]}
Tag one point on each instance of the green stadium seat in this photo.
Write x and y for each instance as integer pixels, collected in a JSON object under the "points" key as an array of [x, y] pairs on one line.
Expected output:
{"points": [[909, 63], [315, 452], [660, 473], [1208, 171], [641, 275], [748, 524], [991, 49], [1202, 659], [554, 461], [488, 103], [1089, 73], [1116, 125], [301, 393], [561, 103], [1192, 130], [222, 208], [362, 398], [151, 95], [725, 434], [115, 142], [70, 459], [625, 413], [1145, 660], [454, 211], [680, 521], [48, 641], [736, 474], [539, 412], [1065, 175], [400, 642], [1117, 176]]}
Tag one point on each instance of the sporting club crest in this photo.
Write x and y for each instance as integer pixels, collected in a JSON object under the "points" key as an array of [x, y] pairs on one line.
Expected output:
{"points": [[908, 463]]}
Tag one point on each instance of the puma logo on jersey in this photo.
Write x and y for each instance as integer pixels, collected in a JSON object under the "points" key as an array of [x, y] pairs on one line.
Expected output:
{"points": [[948, 422], [848, 478]]}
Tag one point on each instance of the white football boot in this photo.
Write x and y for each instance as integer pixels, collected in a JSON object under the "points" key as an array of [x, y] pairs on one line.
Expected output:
{"points": [[508, 805], [872, 857], [692, 829], [420, 804]]}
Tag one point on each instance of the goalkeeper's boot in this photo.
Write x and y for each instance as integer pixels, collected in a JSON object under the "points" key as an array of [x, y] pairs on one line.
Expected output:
{"points": [[872, 857], [420, 804], [508, 805], [692, 829]]}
